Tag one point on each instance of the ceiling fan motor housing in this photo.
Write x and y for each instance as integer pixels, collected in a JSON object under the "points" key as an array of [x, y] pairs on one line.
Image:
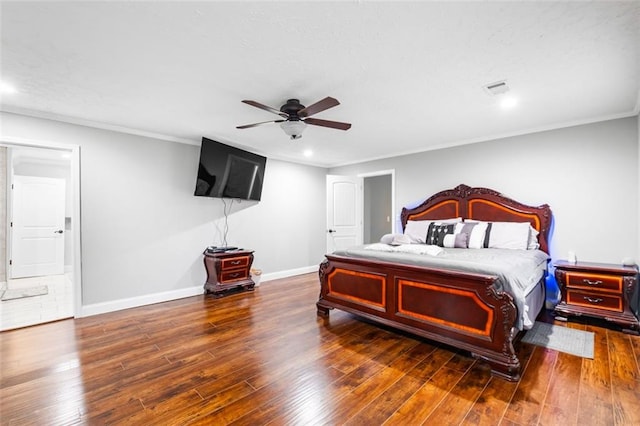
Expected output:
{"points": [[291, 108]]}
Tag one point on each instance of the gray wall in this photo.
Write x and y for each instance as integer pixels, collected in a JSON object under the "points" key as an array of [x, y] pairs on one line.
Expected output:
{"points": [[143, 231], [588, 175]]}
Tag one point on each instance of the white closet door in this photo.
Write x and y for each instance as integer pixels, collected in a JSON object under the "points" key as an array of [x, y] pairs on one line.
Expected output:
{"points": [[37, 232], [344, 212]]}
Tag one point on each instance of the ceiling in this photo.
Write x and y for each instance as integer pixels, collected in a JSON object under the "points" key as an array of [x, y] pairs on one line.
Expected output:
{"points": [[409, 76]]}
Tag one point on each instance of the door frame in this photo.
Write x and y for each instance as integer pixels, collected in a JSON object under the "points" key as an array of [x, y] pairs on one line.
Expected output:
{"points": [[74, 150], [392, 172]]}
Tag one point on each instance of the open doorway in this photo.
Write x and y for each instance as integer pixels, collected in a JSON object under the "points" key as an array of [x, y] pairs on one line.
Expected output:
{"points": [[39, 273], [377, 210], [359, 208], [378, 199]]}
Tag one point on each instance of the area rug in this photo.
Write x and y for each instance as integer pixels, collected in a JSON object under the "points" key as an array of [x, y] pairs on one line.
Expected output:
{"points": [[563, 339], [19, 293]]}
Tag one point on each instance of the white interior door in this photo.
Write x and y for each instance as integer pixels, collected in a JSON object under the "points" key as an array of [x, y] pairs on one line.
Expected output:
{"points": [[37, 230], [344, 212]]}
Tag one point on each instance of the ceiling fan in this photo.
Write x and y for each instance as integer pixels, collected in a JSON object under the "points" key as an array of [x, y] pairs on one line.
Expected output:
{"points": [[296, 116]]}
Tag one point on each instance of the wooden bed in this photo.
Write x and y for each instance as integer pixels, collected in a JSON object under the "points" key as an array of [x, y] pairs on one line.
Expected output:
{"points": [[459, 309]]}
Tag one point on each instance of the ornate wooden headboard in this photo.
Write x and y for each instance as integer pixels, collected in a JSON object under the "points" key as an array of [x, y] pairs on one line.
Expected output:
{"points": [[481, 204]]}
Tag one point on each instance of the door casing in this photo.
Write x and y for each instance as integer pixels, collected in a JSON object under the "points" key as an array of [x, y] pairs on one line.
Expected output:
{"points": [[74, 152]]}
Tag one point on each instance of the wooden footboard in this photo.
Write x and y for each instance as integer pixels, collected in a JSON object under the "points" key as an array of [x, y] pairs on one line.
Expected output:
{"points": [[456, 308]]}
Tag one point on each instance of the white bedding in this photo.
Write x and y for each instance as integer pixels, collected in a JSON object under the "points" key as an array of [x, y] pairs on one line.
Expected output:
{"points": [[518, 271], [406, 248]]}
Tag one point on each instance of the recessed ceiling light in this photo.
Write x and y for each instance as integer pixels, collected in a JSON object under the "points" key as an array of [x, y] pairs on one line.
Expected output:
{"points": [[508, 102], [307, 153], [6, 88]]}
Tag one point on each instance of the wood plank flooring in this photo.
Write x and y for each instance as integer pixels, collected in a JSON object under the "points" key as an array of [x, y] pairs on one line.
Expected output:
{"points": [[265, 358]]}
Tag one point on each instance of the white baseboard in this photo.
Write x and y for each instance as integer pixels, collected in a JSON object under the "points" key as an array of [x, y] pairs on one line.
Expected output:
{"points": [[289, 273], [149, 299], [134, 302]]}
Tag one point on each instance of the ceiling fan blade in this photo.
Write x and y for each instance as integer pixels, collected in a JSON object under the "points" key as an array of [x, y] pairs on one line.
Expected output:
{"points": [[266, 108], [326, 123], [319, 106], [247, 126]]}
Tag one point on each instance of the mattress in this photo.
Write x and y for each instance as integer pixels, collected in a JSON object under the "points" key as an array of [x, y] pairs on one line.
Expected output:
{"points": [[519, 272]]}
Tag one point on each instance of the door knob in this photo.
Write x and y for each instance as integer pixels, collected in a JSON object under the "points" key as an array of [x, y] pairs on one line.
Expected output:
{"points": [[59, 231], [331, 231]]}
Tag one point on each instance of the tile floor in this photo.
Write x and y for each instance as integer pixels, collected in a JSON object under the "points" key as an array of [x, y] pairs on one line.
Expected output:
{"points": [[55, 305]]}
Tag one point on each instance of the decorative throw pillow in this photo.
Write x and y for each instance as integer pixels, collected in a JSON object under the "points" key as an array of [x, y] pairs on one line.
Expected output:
{"points": [[460, 240], [504, 235], [416, 230], [436, 233], [460, 237], [478, 238]]}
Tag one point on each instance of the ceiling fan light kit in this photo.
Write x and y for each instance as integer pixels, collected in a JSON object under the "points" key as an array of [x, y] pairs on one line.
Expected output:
{"points": [[295, 116], [293, 128]]}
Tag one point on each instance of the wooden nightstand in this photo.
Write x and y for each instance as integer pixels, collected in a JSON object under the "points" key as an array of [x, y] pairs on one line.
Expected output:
{"points": [[598, 290], [228, 270]]}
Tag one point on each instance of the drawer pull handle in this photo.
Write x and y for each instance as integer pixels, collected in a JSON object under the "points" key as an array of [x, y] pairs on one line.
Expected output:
{"points": [[593, 300], [589, 282], [235, 262]]}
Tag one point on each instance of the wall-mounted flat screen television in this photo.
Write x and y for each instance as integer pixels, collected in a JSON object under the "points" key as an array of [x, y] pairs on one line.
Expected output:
{"points": [[229, 172]]}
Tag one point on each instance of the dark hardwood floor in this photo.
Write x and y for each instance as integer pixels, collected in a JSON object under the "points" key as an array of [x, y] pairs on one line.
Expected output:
{"points": [[265, 358]]}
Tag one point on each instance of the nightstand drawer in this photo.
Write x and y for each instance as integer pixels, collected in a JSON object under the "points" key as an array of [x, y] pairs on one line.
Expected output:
{"points": [[597, 282], [235, 262], [595, 300], [234, 275]]}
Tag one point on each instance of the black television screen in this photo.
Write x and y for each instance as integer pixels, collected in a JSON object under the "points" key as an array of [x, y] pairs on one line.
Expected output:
{"points": [[229, 172]]}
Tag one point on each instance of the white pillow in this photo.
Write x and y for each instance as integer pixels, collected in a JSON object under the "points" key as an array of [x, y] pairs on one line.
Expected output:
{"points": [[416, 230], [533, 239], [509, 235], [388, 238], [400, 239]]}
